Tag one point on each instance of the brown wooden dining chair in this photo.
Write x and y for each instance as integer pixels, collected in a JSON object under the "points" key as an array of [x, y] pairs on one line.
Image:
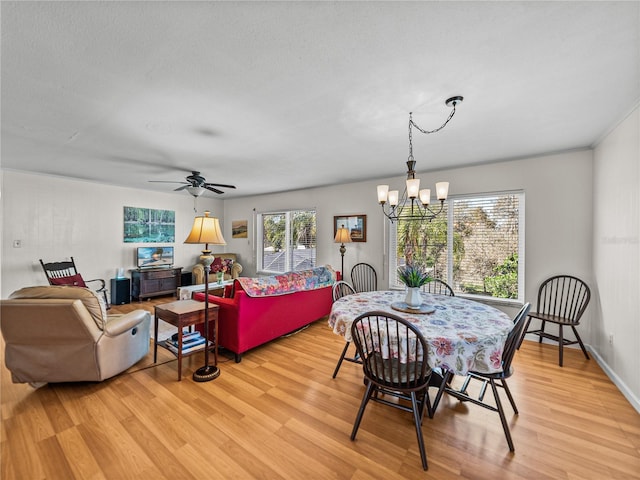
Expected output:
{"points": [[66, 273], [438, 287], [341, 289], [394, 362], [562, 300], [511, 344], [364, 278]]}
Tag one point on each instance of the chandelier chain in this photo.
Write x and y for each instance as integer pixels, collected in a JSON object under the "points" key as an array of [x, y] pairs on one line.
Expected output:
{"points": [[412, 123]]}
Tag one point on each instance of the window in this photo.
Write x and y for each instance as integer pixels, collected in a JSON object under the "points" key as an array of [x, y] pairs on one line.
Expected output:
{"points": [[286, 241], [476, 245]]}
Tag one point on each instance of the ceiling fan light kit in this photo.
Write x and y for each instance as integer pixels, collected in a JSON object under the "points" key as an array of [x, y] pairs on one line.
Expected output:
{"points": [[196, 191], [196, 184], [414, 203]]}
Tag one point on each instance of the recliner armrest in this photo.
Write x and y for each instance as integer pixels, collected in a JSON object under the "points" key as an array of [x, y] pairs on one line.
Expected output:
{"points": [[117, 324]]}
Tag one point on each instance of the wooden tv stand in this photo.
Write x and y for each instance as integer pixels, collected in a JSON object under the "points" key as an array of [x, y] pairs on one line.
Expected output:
{"points": [[152, 282]]}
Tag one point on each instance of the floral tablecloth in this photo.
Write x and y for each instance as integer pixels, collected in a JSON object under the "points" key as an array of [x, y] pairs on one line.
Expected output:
{"points": [[462, 334]]}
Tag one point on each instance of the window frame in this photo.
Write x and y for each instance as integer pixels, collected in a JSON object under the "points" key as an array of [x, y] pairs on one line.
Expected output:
{"points": [[259, 249], [450, 212]]}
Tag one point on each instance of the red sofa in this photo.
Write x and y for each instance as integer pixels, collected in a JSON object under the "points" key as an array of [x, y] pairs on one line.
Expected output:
{"points": [[245, 322]]}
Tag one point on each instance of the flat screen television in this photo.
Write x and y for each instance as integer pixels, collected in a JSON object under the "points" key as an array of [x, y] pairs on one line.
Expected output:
{"points": [[151, 257]]}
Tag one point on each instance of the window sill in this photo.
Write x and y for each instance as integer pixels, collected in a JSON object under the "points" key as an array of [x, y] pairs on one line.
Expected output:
{"points": [[496, 302]]}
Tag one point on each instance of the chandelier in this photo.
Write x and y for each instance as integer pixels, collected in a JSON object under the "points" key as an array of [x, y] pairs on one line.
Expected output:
{"points": [[414, 203]]}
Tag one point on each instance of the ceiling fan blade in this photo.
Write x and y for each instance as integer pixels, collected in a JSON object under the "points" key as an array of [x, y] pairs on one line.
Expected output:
{"points": [[219, 185], [165, 181], [181, 188], [212, 189]]}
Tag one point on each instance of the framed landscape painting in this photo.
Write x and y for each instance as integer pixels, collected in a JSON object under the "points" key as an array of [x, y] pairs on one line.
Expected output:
{"points": [[357, 225], [147, 225], [239, 229]]}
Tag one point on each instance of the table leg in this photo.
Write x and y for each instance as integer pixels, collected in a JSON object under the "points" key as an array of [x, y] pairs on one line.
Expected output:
{"points": [[179, 351], [215, 342], [155, 337]]}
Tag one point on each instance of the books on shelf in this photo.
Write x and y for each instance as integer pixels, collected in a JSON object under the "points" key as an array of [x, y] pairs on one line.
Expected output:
{"points": [[190, 342], [185, 336]]}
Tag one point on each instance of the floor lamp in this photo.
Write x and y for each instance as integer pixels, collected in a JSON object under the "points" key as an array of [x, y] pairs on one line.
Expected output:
{"points": [[206, 230], [342, 236]]}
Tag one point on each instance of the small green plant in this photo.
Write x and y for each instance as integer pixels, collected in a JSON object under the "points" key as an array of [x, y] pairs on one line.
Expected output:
{"points": [[413, 275]]}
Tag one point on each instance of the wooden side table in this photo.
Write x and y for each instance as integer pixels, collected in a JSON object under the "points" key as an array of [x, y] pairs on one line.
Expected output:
{"points": [[184, 313]]}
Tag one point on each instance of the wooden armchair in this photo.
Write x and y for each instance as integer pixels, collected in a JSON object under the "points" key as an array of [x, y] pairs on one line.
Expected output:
{"points": [[65, 273]]}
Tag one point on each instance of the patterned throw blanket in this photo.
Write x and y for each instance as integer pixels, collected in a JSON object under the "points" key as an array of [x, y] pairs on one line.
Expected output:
{"points": [[289, 282]]}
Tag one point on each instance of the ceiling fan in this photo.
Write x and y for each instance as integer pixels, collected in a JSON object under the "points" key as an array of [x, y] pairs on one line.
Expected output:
{"points": [[196, 184]]}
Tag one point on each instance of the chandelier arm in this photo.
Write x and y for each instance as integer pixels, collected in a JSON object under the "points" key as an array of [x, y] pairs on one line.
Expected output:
{"points": [[435, 214]]}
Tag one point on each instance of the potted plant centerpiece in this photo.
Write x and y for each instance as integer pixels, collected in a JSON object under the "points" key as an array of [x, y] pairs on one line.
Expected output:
{"points": [[413, 276]]}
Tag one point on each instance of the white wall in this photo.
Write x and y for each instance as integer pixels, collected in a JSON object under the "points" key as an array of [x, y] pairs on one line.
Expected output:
{"points": [[557, 201], [616, 255], [56, 218]]}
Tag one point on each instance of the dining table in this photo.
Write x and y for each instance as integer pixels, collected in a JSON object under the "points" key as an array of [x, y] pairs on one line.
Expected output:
{"points": [[462, 335]]}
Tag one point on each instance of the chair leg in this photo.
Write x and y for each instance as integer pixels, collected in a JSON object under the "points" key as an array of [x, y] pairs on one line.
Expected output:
{"points": [[426, 402], [584, 350], [363, 404], [542, 324], [506, 389], [418, 421], [465, 384], [561, 342], [446, 379], [344, 352], [503, 419]]}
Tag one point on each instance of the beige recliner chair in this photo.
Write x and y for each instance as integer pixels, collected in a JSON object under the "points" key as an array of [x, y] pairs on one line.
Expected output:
{"points": [[62, 334]]}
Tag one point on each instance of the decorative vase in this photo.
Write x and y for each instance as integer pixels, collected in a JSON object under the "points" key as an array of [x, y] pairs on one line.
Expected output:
{"points": [[220, 275], [414, 299]]}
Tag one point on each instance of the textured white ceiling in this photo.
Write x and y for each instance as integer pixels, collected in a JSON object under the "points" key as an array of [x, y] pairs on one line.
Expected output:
{"points": [[274, 96]]}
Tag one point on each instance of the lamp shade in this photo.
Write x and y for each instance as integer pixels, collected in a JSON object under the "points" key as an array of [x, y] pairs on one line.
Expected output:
{"points": [[206, 230], [343, 235]]}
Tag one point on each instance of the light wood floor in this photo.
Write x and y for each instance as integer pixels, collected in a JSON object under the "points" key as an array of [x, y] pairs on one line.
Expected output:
{"points": [[279, 414]]}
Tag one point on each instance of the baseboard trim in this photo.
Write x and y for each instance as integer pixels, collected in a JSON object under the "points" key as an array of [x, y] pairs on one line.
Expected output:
{"points": [[628, 394]]}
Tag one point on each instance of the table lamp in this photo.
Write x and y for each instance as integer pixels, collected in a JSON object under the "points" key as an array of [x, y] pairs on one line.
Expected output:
{"points": [[206, 230], [342, 236]]}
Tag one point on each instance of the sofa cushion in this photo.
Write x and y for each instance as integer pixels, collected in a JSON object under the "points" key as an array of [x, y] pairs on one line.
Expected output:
{"points": [[89, 298], [74, 280]]}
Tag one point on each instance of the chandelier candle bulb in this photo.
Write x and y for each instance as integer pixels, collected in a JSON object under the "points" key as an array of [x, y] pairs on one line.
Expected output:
{"points": [[393, 198], [425, 196], [442, 189], [383, 192], [413, 187]]}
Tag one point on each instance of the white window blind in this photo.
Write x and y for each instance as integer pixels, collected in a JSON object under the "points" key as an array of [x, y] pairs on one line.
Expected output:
{"points": [[286, 241], [476, 245]]}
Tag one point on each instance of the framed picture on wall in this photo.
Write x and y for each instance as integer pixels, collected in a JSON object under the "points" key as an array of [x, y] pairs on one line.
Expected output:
{"points": [[148, 225], [239, 229], [357, 225]]}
